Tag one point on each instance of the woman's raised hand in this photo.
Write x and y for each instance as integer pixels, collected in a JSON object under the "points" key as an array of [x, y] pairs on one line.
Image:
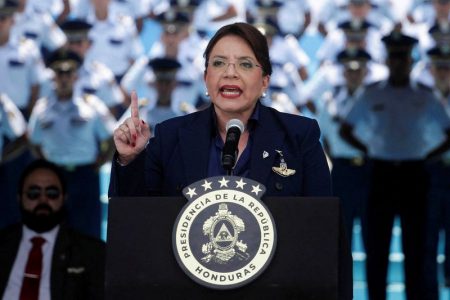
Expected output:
{"points": [[132, 135]]}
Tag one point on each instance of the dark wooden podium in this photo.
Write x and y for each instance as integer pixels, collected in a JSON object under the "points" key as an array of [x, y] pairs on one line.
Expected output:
{"points": [[312, 259]]}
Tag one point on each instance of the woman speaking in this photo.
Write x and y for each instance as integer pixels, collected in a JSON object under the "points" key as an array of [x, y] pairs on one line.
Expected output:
{"points": [[281, 151]]}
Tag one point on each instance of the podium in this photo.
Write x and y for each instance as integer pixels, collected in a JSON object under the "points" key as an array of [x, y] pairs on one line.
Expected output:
{"points": [[312, 259]]}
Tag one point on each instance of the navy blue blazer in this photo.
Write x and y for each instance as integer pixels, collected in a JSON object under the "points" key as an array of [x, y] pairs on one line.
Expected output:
{"points": [[72, 251], [178, 155]]}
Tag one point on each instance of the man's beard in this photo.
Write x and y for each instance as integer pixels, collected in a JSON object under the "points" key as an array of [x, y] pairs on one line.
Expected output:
{"points": [[42, 222]]}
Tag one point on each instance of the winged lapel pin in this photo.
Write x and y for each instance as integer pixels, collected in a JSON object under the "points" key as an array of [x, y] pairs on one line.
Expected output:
{"points": [[283, 169]]}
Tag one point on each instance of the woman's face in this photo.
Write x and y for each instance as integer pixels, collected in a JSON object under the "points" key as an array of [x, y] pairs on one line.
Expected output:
{"points": [[234, 78]]}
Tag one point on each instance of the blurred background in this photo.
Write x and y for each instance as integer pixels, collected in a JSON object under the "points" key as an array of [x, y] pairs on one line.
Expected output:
{"points": [[68, 67]]}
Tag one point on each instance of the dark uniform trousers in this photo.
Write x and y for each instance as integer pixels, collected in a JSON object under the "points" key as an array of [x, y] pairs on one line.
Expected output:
{"points": [[83, 203], [397, 189], [438, 217], [350, 178]]}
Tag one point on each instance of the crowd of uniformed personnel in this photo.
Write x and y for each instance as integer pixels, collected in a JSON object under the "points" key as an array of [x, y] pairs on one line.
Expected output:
{"points": [[381, 94]]}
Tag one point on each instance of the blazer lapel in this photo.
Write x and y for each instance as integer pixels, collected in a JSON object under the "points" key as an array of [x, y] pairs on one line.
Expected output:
{"points": [[9, 247], [266, 139], [59, 264], [194, 140]]}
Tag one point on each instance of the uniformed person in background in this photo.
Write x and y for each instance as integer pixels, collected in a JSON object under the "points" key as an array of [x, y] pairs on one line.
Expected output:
{"points": [[213, 14], [115, 41], [436, 36], [282, 47], [58, 9], [354, 33], [396, 114], [178, 43], [94, 78], [289, 60], [20, 61], [38, 26], [294, 17], [12, 142], [75, 133], [351, 36], [350, 169], [335, 12], [288, 67], [135, 10], [430, 12], [156, 103], [438, 214], [21, 67]]}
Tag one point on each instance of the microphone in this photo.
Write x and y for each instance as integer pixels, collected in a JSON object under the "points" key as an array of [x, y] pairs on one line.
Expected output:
{"points": [[234, 129]]}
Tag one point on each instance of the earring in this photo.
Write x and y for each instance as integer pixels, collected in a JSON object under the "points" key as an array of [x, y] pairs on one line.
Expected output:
{"points": [[264, 95], [206, 94]]}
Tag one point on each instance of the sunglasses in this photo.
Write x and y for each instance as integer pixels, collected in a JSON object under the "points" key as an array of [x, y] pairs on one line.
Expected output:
{"points": [[60, 72], [51, 192]]}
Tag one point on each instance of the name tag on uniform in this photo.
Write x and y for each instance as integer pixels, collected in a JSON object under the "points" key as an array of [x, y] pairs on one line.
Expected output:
{"points": [[89, 90], [31, 35], [79, 121], [184, 83], [115, 42], [16, 63], [46, 124], [75, 270]]}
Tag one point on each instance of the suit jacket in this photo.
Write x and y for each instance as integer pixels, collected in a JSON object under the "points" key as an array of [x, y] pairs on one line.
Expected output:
{"points": [[178, 155], [78, 263]]}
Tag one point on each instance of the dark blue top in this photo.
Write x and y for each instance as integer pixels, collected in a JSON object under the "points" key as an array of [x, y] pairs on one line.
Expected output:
{"points": [[242, 167]]}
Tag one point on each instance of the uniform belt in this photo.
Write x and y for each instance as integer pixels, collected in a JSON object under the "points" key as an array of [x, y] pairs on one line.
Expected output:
{"points": [[73, 168], [399, 163], [353, 161]]}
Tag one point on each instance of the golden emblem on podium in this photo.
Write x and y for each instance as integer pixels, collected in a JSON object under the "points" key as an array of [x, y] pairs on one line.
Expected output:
{"points": [[224, 237]]}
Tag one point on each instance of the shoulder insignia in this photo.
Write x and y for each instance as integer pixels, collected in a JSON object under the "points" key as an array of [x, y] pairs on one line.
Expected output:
{"points": [[143, 102], [88, 98]]}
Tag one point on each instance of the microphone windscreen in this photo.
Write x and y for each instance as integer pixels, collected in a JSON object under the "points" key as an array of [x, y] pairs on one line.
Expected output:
{"points": [[235, 123]]}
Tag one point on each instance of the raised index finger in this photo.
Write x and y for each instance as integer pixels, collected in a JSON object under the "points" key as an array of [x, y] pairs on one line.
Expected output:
{"points": [[134, 108]]}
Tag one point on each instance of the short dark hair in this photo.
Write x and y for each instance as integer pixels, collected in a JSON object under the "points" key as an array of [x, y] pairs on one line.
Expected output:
{"points": [[252, 36], [41, 164]]}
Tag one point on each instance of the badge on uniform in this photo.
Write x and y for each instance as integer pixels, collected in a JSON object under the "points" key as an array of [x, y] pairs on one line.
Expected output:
{"points": [[283, 169]]}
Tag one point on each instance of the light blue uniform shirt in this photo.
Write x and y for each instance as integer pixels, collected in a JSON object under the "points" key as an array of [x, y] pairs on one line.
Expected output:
{"points": [[114, 43], [434, 135], [331, 113], [40, 27], [21, 67], [12, 123], [397, 119], [69, 132]]}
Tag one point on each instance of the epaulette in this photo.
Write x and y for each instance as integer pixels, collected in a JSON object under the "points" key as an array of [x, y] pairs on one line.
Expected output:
{"points": [[43, 102], [423, 87], [24, 41], [89, 98], [143, 102], [125, 19]]}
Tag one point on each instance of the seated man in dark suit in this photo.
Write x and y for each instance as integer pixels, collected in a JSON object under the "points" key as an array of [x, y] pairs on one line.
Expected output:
{"points": [[41, 258]]}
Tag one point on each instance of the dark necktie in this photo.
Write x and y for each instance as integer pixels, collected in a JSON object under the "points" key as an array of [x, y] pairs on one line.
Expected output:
{"points": [[33, 270]]}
